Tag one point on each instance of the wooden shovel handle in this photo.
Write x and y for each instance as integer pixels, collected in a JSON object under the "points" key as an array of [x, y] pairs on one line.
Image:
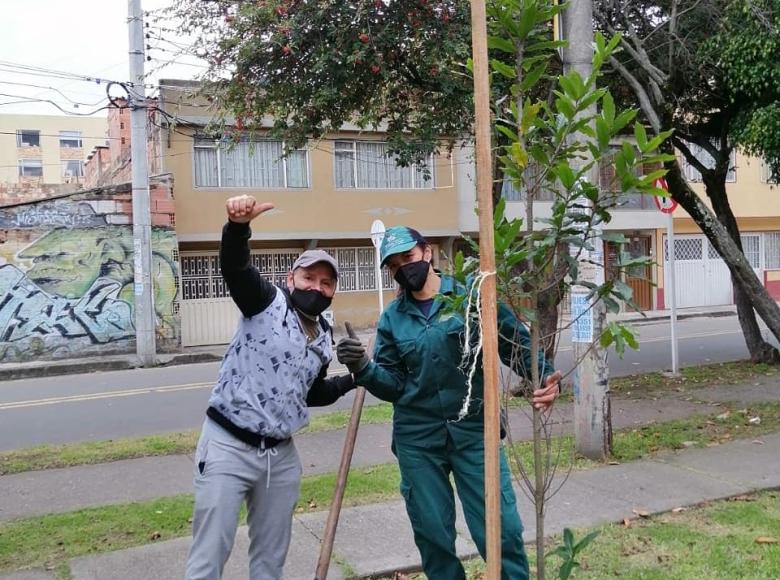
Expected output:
{"points": [[326, 548]]}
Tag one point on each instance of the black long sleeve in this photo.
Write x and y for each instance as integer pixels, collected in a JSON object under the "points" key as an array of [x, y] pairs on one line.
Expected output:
{"points": [[250, 291], [327, 390]]}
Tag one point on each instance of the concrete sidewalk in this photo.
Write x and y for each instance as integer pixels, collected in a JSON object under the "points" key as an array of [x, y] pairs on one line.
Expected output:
{"points": [[26, 370], [61, 490], [376, 540]]}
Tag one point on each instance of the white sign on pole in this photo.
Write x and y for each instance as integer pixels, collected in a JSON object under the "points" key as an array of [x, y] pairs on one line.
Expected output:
{"points": [[377, 235], [667, 205], [582, 318]]}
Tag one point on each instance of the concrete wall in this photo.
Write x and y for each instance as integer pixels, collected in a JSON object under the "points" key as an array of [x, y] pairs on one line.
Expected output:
{"points": [[66, 275]]}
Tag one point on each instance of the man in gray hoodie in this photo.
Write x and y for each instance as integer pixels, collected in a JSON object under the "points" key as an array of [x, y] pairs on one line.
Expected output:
{"points": [[274, 369]]}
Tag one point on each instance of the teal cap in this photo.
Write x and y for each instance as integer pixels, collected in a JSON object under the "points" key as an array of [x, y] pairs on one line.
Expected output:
{"points": [[397, 240]]}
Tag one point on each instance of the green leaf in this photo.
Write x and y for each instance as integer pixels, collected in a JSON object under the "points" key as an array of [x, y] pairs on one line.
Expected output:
{"points": [[502, 44], [656, 141], [641, 137], [602, 133], [506, 131], [623, 290], [558, 551], [624, 119], [532, 77], [630, 337], [608, 107], [566, 569], [568, 538], [584, 542], [498, 212], [503, 69], [528, 20], [519, 155]]}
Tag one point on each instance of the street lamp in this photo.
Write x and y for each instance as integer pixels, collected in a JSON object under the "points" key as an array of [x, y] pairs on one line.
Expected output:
{"points": [[377, 235]]}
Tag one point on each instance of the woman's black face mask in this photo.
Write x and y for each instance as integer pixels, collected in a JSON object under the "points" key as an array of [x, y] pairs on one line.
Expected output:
{"points": [[311, 302], [412, 276]]}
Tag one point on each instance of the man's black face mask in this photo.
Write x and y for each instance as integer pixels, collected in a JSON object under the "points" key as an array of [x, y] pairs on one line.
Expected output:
{"points": [[311, 302], [412, 276]]}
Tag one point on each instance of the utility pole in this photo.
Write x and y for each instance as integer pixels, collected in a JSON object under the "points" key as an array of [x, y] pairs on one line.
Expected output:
{"points": [[142, 223], [592, 415]]}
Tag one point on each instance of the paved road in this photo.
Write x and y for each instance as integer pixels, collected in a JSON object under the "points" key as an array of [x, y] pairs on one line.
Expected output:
{"points": [[128, 403]]}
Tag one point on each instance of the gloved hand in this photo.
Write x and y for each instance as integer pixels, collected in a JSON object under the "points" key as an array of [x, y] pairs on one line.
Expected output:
{"points": [[352, 354]]}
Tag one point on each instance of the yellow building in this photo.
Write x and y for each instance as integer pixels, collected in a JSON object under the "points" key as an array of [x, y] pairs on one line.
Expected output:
{"points": [[326, 195], [702, 278], [47, 148]]}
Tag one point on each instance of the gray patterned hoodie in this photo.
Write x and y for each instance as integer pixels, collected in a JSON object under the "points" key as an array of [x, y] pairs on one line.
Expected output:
{"points": [[270, 374]]}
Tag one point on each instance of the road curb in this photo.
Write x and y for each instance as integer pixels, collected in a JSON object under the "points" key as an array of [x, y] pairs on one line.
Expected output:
{"points": [[639, 321], [37, 370], [126, 362]]}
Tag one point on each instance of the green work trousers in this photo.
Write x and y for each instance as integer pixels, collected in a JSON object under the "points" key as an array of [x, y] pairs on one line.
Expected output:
{"points": [[430, 503]]}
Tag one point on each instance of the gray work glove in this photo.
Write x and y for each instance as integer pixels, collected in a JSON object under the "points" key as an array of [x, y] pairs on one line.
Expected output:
{"points": [[352, 354]]}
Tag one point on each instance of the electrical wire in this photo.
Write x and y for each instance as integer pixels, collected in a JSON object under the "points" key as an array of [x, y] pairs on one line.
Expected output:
{"points": [[53, 103], [56, 90]]}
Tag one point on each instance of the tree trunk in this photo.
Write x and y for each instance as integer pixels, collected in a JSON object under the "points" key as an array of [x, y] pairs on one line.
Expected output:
{"points": [[760, 350], [548, 304], [741, 272]]}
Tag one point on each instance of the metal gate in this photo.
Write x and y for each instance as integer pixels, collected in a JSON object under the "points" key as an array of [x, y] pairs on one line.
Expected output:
{"points": [[208, 314], [701, 276]]}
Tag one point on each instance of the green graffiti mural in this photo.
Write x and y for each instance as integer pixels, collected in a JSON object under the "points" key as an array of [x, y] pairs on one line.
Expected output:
{"points": [[66, 262], [69, 291]]}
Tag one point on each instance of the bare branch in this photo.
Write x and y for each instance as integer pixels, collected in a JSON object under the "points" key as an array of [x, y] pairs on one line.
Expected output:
{"points": [[639, 90]]}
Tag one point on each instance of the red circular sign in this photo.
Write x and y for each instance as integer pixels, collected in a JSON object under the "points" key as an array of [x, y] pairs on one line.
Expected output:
{"points": [[664, 203]]}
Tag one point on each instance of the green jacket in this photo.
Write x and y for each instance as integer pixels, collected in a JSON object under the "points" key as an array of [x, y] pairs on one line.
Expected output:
{"points": [[416, 366]]}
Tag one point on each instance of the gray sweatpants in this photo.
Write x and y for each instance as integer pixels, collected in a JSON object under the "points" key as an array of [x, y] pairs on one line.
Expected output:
{"points": [[227, 472]]}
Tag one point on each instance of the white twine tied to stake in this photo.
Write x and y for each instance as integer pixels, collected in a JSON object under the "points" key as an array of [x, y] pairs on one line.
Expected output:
{"points": [[470, 368]]}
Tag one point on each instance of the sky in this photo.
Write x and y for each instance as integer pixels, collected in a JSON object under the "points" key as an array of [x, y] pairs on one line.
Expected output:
{"points": [[84, 37]]}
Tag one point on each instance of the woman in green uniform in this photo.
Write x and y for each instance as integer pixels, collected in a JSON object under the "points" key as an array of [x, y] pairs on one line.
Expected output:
{"points": [[417, 367]]}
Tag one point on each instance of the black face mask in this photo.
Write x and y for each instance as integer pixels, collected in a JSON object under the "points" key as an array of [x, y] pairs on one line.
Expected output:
{"points": [[311, 302], [412, 276]]}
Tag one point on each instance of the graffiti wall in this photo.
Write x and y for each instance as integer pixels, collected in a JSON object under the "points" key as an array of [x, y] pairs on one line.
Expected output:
{"points": [[66, 275]]}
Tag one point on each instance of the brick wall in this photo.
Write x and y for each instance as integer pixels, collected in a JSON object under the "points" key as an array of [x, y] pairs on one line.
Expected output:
{"points": [[31, 189]]}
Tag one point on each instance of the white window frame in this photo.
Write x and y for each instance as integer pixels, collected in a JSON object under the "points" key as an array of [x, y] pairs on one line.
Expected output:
{"points": [[69, 173], [692, 174], [766, 174], [771, 244], [71, 136], [340, 147], [30, 164], [215, 146], [20, 137], [369, 280]]}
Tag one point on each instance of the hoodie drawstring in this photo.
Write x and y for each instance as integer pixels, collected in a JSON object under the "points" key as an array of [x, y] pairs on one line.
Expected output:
{"points": [[268, 453]]}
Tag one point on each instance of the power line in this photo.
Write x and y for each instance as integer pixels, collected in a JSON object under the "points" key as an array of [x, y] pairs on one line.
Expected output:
{"points": [[53, 103], [48, 88]]}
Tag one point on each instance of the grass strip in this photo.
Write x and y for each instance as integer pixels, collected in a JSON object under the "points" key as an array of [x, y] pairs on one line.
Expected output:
{"points": [[49, 541], [692, 432], [92, 452], [736, 538], [729, 373]]}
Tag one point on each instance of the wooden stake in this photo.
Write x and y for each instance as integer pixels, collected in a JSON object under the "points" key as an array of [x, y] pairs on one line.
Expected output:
{"points": [[326, 549], [487, 262]]}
